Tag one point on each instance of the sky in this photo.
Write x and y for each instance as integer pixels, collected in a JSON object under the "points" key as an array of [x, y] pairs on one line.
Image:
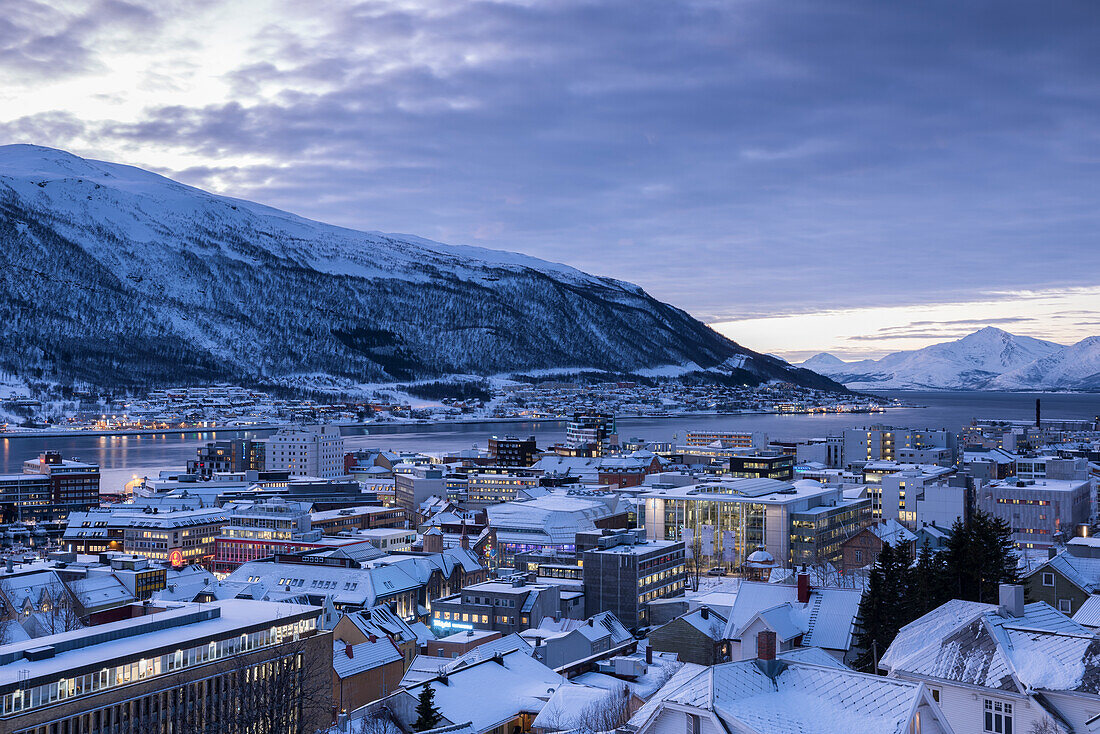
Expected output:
{"points": [[853, 176]]}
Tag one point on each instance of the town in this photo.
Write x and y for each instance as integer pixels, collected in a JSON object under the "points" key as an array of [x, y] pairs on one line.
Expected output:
{"points": [[908, 578], [49, 408]]}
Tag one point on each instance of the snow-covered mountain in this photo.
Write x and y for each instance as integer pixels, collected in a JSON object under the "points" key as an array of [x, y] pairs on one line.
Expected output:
{"points": [[989, 359], [118, 276], [1076, 367]]}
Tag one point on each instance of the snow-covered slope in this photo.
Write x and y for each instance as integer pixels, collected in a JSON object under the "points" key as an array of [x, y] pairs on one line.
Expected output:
{"points": [[118, 276], [974, 362], [1076, 367]]}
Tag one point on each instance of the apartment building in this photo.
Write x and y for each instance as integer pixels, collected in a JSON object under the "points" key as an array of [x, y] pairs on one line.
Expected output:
{"points": [[312, 451], [48, 489]]}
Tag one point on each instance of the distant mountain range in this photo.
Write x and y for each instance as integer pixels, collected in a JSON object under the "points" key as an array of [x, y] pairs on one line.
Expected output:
{"points": [[989, 359], [116, 276]]}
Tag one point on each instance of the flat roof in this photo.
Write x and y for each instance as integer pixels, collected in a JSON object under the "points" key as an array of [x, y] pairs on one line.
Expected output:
{"points": [[181, 625]]}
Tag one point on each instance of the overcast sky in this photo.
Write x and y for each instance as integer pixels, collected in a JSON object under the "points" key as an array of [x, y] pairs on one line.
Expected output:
{"points": [[852, 170]]}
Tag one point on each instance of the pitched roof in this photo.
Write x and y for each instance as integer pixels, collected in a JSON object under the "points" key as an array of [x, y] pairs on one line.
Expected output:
{"points": [[800, 697], [827, 620], [365, 656], [975, 644]]}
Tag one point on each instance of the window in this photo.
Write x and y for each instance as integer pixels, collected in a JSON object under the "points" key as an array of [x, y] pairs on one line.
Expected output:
{"points": [[859, 556], [1063, 606], [998, 717], [1048, 579], [692, 724]]}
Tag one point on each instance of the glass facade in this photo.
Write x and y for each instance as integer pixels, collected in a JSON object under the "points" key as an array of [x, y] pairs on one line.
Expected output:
{"points": [[745, 520]]}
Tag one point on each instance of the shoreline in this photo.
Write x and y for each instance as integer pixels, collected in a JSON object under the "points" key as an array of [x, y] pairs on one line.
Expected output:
{"points": [[76, 433]]}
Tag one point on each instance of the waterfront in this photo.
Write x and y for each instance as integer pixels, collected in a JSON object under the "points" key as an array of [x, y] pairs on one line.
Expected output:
{"points": [[120, 457]]}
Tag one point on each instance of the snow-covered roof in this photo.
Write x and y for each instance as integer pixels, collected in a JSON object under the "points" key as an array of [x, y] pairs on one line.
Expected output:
{"points": [[364, 656], [799, 698], [827, 620], [978, 645], [1081, 571], [553, 519], [100, 590], [893, 532], [518, 684], [1089, 613]]}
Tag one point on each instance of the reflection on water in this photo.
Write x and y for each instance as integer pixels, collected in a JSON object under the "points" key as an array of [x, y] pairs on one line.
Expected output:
{"points": [[120, 457]]}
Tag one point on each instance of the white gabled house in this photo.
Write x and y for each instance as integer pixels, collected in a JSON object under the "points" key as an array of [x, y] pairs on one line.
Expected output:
{"points": [[793, 693], [1010, 669]]}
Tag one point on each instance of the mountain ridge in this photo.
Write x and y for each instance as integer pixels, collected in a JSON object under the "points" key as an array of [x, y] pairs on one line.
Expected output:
{"points": [[117, 274], [989, 359]]}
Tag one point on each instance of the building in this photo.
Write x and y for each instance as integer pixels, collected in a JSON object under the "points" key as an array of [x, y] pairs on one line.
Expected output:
{"points": [[799, 614], [484, 489], [762, 466], [1068, 578], [365, 672], [695, 637], [1037, 510], [562, 643], [312, 451], [388, 540], [173, 668], [725, 521], [882, 443], [415, 484], [512, 451], [236, 455], [623, 572], [875, 472], [551, 522], [786, 693], [591, 434], [350, 519], [1011, 667], [501, 694], [862, 549], [264, 528], [48, 489], [896, 494], [509, 605], [177, 535], [728, 439]]}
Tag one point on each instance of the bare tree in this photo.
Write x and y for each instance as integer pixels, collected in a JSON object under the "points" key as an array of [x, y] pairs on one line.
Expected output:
{"points": [[287, 694], [1045, 725], [58, 611], [608, 714]]}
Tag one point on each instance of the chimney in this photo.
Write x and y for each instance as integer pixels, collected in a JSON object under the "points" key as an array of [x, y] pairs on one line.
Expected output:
{"points": [[1012, 600], [704, 612], [765, 645], [803, 588], [591, 622], [649, 656], [1037, 413], [349, 651], [373, 638], [1051, 552]]}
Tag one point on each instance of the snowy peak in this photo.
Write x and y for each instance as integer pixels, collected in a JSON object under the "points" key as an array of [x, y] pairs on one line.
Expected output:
{"points": [[121, 277], [988, 359]]}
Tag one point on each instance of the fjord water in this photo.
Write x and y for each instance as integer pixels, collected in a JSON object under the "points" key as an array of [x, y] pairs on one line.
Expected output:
{"points": [[120, 457]]}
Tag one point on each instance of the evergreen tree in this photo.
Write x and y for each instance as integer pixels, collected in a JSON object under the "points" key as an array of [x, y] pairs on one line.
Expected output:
{"points": [[878, 610], [427, 715], [978, 558], [925, 589]]}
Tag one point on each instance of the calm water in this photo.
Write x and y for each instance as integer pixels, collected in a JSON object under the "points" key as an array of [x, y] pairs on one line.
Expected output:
{"points": [[120, 457]]}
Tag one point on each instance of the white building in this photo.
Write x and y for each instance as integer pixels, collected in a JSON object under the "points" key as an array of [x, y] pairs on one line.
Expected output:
{"points": [[1005, 669], [1038, 509], [312, 451]]}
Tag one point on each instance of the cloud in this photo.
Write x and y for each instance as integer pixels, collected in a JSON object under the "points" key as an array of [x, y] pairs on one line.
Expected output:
{"points": [[736, 159]]}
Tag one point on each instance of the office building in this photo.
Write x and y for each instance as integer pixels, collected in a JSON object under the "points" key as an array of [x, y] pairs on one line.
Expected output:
{"points": [[173, 668], [1038, 510], [882, 443], [725, 521], [551, 523], [179, 535], [484, 489], [48, 489], [728, 439], [591, 434], [509, 605], [512, 451], [623, 572], [414, 484], [237, 455]]}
